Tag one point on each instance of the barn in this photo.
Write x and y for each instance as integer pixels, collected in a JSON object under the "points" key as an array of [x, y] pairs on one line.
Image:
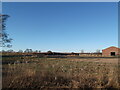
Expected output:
{"points": [[111, 51]]}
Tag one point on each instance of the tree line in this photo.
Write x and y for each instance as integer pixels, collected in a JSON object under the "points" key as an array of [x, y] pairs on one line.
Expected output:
{"points": [[22, 51], [39, 51]]}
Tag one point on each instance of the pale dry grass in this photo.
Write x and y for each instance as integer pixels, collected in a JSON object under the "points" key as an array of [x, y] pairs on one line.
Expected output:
{"points": [[60, 73]]}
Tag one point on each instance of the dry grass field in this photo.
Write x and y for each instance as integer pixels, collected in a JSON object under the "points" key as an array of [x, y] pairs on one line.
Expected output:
{"points": [[55, 73]]}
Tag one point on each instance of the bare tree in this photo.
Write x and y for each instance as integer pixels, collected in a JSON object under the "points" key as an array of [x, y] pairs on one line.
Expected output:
{"points": [[49, 52], [28, 51], [20, 51], [4, 39], [36, 51], [97, 51], [39, 51], [82, 51], [3, 51], [10, 51]]}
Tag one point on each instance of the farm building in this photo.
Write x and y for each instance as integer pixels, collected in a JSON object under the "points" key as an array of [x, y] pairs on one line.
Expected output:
{"points": [[111, 51]]}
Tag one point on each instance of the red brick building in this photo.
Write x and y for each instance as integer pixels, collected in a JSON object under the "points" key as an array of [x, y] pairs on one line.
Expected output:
{"points": [[111, 51]]}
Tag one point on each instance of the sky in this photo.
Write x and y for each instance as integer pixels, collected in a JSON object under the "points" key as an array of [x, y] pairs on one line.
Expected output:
{"points": [[62, 26]]}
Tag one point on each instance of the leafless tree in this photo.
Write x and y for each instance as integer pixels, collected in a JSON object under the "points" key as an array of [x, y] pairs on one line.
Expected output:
{"points": [[97, 51], [4, 37], [20, 51], [82, 51]]}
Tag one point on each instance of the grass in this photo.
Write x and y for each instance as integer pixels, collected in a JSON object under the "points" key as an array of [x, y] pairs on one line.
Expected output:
{"points": [[58, 73]]}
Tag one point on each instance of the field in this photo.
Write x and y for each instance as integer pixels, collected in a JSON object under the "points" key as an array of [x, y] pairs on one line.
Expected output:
{"points": [[49, 73]]}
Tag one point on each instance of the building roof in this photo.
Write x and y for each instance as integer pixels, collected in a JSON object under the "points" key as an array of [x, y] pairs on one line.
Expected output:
{"points": [[112, 47]]}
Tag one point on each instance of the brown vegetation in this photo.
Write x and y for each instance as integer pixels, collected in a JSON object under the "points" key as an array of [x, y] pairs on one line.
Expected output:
{"points": [[59, 73]]}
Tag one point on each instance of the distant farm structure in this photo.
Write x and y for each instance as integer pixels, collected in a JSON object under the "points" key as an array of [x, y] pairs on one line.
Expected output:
{"points": [[111, 51], [107, 52], [66, 54]]}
